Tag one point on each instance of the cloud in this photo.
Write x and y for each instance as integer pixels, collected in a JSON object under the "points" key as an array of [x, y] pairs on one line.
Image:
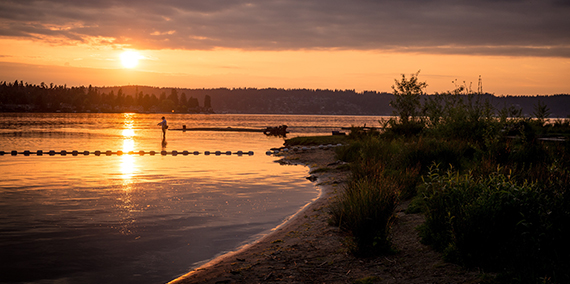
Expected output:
{"points": [[488, 27]]}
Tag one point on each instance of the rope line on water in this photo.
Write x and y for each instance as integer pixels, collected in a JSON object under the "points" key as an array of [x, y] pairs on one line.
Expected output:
{"points": [[120, 153], [164, 153]]}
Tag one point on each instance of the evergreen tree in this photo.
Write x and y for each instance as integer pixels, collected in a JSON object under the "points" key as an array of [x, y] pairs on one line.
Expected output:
{"points": [[207, 102], [174, 96], [183, 101]]}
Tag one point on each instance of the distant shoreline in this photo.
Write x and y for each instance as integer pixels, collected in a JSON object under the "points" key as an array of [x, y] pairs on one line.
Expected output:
{"points": [[20, 97]]}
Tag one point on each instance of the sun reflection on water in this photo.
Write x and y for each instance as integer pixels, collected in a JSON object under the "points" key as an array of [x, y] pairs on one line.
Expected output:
{"points": [[128, 163], [128, 169], [128, 133]]}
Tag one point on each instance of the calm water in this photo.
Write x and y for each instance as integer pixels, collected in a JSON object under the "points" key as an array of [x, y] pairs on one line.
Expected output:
{"points": [[141, 219]]}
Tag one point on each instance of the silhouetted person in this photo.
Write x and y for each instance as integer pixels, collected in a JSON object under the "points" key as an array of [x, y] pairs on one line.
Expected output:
{"points": [[164, 127]]}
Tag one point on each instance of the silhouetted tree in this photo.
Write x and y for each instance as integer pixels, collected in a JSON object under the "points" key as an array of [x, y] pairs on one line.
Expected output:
{"points": [[174, 96], [207, 102], [193, 103], [406, 102], [183, 101]]}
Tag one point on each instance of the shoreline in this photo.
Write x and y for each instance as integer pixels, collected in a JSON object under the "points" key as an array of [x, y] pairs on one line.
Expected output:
{"points": [[213, 270], [306, 249]]}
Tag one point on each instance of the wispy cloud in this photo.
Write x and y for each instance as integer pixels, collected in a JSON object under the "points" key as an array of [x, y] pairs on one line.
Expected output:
{"points": [[489, 27]]}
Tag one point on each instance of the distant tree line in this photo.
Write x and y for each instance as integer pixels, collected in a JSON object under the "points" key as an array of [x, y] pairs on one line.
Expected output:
{"points": [[23, 97]]}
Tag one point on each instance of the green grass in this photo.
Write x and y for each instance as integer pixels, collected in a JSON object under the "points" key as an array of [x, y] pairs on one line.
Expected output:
{"points": [[499, 224], [366, 209]]}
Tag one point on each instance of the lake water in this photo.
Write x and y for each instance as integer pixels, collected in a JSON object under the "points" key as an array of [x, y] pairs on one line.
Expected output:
{"points": [[141, 219]]}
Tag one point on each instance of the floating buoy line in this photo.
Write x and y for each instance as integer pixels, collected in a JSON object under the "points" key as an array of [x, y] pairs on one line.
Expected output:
{"points": [[120, 153], [275, 151]]}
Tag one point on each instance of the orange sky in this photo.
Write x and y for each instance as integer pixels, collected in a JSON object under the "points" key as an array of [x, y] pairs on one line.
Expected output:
{"points": [[350, 54]]}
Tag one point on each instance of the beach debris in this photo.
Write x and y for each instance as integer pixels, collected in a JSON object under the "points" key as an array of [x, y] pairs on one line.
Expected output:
{"points": [[312, 178], [276, 131], [338, 133], [337, 162]]}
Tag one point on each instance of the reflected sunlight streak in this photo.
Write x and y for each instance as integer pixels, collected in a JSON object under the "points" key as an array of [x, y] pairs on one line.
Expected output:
{"points": [[128, 133], [128, 168], [128, 165]]}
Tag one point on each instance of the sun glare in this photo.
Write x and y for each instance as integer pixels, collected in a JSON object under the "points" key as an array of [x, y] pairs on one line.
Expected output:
{"points": [[130, 59]]}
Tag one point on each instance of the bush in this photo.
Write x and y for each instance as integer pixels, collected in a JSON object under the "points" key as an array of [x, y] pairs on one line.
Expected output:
{"points": [[498, 224]]}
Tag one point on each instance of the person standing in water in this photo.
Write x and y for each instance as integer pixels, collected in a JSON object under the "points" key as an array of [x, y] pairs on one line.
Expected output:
{"points": [[164, 127]]}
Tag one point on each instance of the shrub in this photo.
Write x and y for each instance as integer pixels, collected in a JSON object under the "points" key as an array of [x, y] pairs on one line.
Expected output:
{"points": [[406, 102], [498, 224]]}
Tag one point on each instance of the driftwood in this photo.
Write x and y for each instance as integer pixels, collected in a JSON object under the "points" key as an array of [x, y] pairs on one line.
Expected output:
{"points": [[276, 131]]}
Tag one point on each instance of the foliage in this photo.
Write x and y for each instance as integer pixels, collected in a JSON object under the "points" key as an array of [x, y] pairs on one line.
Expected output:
{"points": [[366, 210], [406, 102], [454, 116], [499, 224], [494, 192], [541, 112]]}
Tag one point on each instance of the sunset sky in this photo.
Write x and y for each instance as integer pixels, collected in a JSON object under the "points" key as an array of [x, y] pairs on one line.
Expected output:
{"points": [[517, 47]]}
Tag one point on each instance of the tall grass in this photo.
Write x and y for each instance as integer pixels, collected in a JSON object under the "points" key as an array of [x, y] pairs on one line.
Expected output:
{"points": [[499, 224], [366, 210], [494, 194]]}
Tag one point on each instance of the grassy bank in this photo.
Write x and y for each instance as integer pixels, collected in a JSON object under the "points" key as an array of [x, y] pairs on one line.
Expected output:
{"points": [[494, 191]]}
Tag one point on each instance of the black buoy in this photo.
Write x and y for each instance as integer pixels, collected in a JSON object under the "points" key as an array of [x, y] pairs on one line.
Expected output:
{"points": [[120, 153]]}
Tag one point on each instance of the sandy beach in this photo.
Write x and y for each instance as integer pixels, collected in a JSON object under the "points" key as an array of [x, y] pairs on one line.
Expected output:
{"points": [[306, 249]]}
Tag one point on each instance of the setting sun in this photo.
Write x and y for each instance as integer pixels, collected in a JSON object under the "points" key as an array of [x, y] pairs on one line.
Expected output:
{"points": [[130, 59]]}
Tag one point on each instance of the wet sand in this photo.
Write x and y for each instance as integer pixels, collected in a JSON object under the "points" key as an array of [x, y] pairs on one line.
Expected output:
{"points": [[306, 249]]}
